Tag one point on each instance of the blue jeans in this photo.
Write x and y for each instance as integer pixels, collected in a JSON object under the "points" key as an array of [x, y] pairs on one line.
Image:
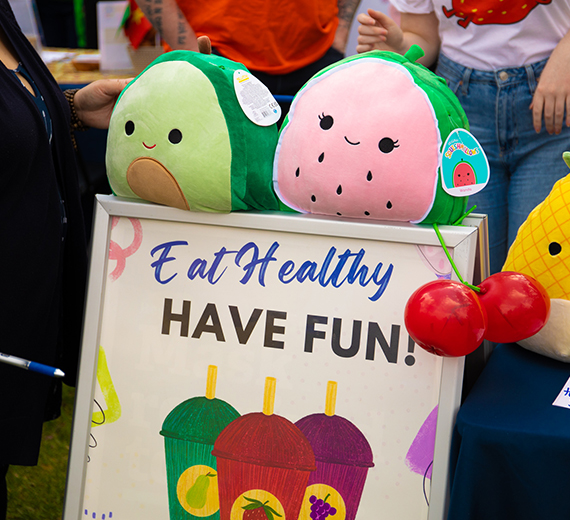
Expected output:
{"points": [[524, 165]]}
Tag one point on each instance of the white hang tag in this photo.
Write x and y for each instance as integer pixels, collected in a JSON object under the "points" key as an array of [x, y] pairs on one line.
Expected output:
{"points": [[255, 99]]}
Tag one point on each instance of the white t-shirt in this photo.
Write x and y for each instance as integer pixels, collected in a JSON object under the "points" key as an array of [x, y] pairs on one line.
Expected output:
{"points": [[495, 34]]}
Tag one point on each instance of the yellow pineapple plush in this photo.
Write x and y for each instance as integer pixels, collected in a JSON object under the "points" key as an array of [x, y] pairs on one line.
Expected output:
{"points": [[542, 250]]}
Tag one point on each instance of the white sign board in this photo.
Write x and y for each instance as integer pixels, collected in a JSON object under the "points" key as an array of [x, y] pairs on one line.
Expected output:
{"points": [[238, 365]]}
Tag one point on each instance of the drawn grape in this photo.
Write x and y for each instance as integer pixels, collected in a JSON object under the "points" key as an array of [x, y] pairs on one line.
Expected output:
{"points": [[320, 508]]}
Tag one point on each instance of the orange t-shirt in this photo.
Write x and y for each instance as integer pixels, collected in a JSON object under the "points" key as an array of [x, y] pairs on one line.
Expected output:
{"points": [[276, 37]]}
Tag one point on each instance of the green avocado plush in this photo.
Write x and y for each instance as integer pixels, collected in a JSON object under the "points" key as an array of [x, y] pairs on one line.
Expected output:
{"points": [[179, 136]]}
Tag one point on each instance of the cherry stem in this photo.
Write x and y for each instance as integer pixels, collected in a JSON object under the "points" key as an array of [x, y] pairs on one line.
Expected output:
{"points": [[460, 219], [472, 287]]}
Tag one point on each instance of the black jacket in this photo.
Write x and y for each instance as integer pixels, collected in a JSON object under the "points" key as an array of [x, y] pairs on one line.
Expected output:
{"points": [[42, 276]]}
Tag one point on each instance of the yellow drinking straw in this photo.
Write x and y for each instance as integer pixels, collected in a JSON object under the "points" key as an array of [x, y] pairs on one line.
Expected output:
{"points": [[331, 398], [269, 395], [211, 382]]}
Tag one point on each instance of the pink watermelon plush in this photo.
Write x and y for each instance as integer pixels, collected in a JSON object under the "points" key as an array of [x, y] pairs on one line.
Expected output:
{"points": [[363, 139]]}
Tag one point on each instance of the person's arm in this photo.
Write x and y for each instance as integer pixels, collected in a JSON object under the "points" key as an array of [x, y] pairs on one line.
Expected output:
{"points": [[379, 31], [552, 96], [169, 21], [346, 10]]}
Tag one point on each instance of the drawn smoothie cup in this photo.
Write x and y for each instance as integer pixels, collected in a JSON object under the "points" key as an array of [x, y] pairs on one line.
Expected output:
{"points": [[343, 457], [264, 463], [189, 432]]}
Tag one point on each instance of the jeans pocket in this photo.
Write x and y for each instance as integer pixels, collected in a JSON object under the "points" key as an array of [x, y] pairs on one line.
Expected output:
{"points": [[452, 80]]}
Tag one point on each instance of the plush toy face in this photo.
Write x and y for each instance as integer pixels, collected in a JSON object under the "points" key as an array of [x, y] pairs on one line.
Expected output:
{"points": [[463, 175], [542, 246], [362, 141], [160, 127]]}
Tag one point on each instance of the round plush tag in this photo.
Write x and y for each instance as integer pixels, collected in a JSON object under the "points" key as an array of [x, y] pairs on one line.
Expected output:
{"points": [[464, 165]]}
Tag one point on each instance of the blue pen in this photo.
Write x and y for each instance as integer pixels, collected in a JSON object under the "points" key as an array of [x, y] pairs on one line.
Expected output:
{"points": [[31, 365]]}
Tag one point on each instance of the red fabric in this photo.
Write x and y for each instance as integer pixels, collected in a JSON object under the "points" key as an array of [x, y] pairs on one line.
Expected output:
{"points": [[273, 37], [137, 25]]}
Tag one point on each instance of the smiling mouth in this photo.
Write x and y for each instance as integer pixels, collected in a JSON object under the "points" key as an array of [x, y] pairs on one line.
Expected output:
{"points": [[349, 142], [148, 147]]}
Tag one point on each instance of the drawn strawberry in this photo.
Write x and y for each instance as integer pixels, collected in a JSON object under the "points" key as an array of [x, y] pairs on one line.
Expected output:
{"points": [[487, 12], [257, 510]]}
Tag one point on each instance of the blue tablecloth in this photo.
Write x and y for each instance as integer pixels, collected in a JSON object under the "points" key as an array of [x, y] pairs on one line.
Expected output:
{"points": [[510, 454]]}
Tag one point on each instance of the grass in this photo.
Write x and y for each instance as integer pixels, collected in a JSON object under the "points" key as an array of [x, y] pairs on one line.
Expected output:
{"points": [[37, 492]]}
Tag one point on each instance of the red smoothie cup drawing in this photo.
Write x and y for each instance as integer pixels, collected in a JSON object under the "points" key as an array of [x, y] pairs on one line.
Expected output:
{"points": [[189, 432], [343, 457], [264, 463]]}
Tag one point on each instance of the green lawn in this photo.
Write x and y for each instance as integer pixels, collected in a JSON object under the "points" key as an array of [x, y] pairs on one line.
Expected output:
{"points": [[37, 493]]}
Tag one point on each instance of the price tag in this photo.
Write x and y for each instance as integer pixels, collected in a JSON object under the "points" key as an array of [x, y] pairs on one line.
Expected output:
{"points": [[255, 99]]}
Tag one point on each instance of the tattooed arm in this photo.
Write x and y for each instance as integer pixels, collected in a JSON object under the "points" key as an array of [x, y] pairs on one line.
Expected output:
{"points": [[346, 10], [168, 20]]}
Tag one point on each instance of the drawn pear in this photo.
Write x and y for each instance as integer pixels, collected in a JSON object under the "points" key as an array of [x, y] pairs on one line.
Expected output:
{"points": [[198, 493]]}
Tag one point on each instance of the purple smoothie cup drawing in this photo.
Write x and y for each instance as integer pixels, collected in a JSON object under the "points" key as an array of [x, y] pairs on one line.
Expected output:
{"points": [[343, 457]]}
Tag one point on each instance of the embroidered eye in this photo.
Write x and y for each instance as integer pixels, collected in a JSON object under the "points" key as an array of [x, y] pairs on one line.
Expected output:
{"points": [[554, 248], [326, 122], [386, 145], [175, 136], [129, 128]]}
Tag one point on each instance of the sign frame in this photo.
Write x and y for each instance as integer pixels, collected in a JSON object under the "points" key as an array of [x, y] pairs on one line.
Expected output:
{"points": [[463, 241]]}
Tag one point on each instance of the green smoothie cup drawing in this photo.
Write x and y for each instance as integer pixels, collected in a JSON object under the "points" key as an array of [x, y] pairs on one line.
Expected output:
{"points": [[189, 432]]}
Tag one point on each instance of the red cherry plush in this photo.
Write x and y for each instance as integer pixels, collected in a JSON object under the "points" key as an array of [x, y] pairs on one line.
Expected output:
{"points": [[445, 318], [517, 306]]}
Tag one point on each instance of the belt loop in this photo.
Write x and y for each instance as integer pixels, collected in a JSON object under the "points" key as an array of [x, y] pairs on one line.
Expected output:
{"points": [[465, 81], [531, 78]]}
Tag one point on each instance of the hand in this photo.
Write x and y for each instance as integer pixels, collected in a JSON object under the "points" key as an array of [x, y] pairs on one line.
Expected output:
{"points": [[552, 96], [94, 103], [378, 31]]}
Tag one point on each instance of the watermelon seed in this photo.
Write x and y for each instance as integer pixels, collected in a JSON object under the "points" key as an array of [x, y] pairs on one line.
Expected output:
{"points": [[369, 176], [339, 190], [389, 205], [367, 213], [297, 172], [313, 198], [322, 157]]}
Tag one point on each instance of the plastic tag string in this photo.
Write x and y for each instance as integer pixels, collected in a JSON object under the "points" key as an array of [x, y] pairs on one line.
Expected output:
{"points": [[437, 232]]}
